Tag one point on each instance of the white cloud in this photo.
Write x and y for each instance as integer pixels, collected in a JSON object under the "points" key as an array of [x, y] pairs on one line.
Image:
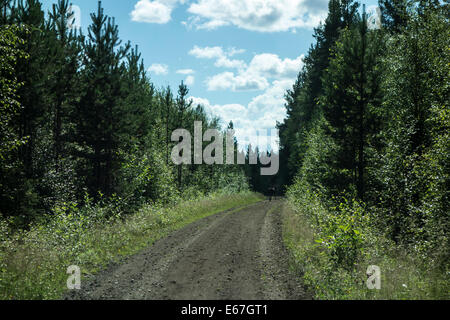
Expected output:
{"points": [[207, 52], [266, 72], [234, 51], [222, 57], [263, 111], [190, 80], [152, 11], [227, 112], [159, 69], [271, 66], [271, 102], [256, 75], [248, 77], [258, 15], [185, 71], [200, 101], [254, 123], [224, 62], [241, 82], [254, 15]]}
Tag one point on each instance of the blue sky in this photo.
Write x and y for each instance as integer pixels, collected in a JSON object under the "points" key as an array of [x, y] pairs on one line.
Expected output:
{"points": [[238, 57]]}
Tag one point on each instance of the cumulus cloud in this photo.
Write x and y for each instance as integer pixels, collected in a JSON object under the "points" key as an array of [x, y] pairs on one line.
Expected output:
{"points": [[151, 12], [185, 71], [207, 52], [224, 62], [255, 75], [254, 15], [227, 112], [245, 132], [254, 123], [159, 69], [154, 11], [258, 15], [190, 80], [265, 72], [270, 65], [222, 57], [241, 82], [271, 102], [257, 129]]}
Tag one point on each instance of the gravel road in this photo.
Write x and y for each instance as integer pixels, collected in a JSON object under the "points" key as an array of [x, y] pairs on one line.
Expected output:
{"points": [[233, 255]]}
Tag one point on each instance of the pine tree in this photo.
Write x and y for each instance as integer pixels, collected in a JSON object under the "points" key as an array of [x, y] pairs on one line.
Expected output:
{"points": [[137, 105], [394, 14], [183, 105], [10, 167], [302, 100], [168, 105], [66, 62], [99, 109], [5, 12], [32, 73], [416, 90], [32, 122], [351, 99]]}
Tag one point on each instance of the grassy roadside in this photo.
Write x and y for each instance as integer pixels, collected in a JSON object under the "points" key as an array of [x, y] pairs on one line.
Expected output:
{"points": [[402, 276], [33, 263]]}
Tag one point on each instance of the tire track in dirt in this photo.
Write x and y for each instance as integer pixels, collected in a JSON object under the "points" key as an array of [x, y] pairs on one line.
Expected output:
{"points": [[233, 255]]}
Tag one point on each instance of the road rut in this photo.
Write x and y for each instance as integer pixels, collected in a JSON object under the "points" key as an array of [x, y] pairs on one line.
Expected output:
{"points": [[233, 255]]}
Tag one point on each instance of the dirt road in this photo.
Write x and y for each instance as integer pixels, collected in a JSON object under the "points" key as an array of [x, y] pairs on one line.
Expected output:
{"points": [[234, 255]]}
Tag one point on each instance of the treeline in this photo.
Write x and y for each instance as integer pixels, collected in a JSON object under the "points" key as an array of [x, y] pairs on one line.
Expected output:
{"points": [[367, 131], [81, 120]]}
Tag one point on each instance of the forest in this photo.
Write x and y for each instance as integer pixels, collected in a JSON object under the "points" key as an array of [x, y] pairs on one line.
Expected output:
{"points": [[82, 120], [85, 139], [366, 140]]}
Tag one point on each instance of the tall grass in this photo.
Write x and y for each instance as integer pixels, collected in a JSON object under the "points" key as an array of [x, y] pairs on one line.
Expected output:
{"points": [[404, 274], [33, 263]]}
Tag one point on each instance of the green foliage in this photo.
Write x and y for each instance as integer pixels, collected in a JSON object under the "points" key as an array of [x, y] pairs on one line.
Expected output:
{"points": [[10, 54], [33, 262], [80, 115], [351, 101], [403, 276], [342, 233], [394, 14], [146, 176], [379, 138], [413, 171], [13, 188], [302, 101], [339, 228]]}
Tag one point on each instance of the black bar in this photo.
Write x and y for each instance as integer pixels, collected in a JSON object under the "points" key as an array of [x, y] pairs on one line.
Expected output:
{"points": [[233, 310]]}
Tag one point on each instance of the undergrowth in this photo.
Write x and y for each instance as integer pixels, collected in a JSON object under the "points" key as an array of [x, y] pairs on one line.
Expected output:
{"points": [[33, 263], [332, 249]]}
